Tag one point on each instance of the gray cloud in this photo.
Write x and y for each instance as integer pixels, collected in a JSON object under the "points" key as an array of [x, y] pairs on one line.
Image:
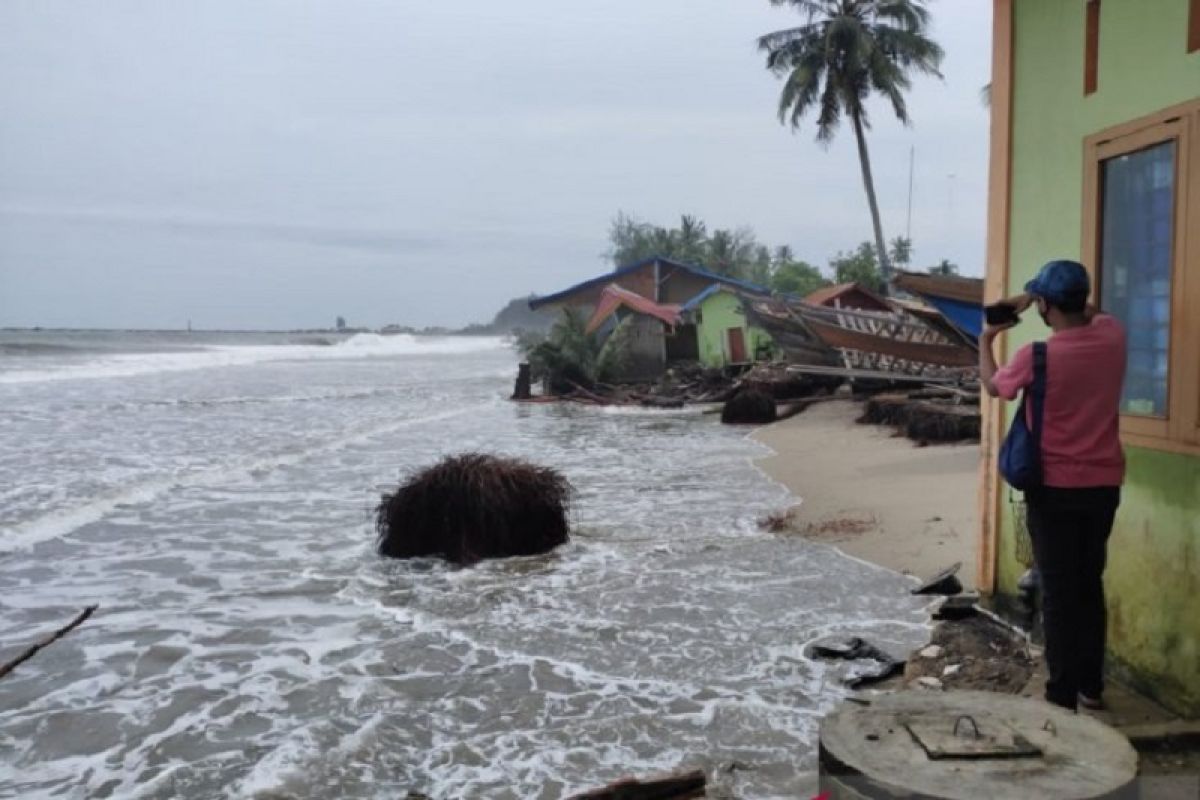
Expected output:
{"points": [[423, 162]]}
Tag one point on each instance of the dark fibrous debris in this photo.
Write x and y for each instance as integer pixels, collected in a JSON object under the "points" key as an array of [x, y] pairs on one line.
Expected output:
{"points": [[749, 406], [475, 506]]}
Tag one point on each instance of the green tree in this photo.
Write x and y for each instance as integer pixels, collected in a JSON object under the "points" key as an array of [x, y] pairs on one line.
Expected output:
{"points": [[733, 252], [797, 278], [568, 356], [858, 266], [946, 267], [844, 51], [691, 239], [901, 252], [762, 267], [629, 239]]}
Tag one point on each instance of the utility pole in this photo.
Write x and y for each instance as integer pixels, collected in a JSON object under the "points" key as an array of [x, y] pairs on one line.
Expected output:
{"points": [[912, 157]]}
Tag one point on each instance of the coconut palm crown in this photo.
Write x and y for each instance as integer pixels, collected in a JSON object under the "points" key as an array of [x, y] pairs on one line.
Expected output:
{"points": [[844, 51]]}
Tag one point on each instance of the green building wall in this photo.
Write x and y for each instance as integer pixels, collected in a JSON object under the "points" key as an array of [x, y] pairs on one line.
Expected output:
{"points": [[1153, 577], [719, 313]]}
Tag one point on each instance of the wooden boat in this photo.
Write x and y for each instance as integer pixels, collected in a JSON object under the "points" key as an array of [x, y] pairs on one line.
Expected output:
{"points": [[896, 341]]}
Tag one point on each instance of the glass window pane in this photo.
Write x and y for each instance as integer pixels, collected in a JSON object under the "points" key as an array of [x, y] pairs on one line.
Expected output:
{"points": [[1136, 242]]}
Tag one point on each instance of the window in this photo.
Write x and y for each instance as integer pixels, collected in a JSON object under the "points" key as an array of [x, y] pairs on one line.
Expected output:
{"points": [[1137, 226], [1142, 238]]}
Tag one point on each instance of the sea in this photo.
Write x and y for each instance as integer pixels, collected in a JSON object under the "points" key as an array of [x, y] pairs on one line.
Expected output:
{"points": [[214, 494]]}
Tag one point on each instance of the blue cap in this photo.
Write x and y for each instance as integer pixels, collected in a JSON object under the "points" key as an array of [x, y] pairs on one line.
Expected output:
{"points": [[1061, 281]]}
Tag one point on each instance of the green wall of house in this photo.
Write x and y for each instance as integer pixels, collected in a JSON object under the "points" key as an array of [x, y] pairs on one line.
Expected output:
{"points": [[1153, 578], [718, 314]]}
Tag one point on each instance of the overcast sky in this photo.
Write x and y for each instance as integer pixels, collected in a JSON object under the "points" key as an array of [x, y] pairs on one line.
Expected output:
{"points": [[272, 164]]}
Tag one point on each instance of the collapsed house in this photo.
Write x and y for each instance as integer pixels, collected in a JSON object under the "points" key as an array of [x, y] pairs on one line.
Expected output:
{"points": [[675, 312], [678, 313]]}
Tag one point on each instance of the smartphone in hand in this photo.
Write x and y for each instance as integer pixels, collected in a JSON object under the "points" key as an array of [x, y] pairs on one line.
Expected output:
{"points": [[1001, 314]]}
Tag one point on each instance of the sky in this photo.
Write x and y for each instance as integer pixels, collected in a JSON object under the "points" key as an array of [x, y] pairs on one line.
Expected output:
{"points": [[277, 163]]}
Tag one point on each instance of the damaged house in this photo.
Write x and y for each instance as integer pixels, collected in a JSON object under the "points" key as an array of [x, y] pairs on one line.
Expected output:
{"points": [[677, 313]]}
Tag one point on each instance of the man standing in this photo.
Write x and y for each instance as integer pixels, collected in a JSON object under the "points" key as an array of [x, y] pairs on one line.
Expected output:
{"points": [[1071, 515]]}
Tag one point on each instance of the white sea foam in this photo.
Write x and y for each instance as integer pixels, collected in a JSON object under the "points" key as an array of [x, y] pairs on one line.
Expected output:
{"points": [[249, 643], [62, 522], [359, 346]]}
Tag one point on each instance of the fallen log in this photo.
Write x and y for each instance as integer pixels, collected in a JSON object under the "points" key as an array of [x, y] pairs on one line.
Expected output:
{"points": [[32, 650], [672, 787]]}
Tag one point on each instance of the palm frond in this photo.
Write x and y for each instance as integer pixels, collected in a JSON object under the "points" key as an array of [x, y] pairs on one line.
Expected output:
{"points": [[778, 40], [889, 80], [910, 50], [911, 15], [799, 93], [811, 9], [831, 112]]}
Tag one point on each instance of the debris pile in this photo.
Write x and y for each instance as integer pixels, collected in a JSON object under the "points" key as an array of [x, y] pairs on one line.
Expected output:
{"points": [[927, 416]]}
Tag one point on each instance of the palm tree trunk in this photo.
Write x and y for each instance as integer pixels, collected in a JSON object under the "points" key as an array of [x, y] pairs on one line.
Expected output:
{"points": [[864, 160]]}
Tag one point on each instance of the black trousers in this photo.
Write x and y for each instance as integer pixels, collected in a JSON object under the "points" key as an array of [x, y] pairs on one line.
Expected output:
{"points": [[1069, 529]]}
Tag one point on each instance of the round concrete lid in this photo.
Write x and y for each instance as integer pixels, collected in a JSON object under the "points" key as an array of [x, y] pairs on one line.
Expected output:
{"points": [[968, 745]]}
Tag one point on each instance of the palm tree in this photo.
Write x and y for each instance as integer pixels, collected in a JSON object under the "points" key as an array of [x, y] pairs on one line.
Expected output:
{"points": [[844, 51]]}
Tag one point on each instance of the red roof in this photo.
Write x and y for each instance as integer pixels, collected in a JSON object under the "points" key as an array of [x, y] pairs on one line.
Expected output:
{"points": [[848, 295], [614, 297]]}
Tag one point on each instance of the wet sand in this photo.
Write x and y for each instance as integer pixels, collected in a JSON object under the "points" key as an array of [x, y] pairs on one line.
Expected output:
{"points": [[875, 496]]}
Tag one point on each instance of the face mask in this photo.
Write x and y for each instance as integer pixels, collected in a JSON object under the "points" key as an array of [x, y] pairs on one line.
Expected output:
{"points": [[1043, 310]]}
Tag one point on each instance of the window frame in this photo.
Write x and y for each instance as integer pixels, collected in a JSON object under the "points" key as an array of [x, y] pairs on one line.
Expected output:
{"points": [[1179, 431]]}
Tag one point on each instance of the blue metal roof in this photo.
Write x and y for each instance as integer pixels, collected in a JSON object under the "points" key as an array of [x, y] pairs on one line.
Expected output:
{"points": [[608, 277], [967, 317], [695, 302]]}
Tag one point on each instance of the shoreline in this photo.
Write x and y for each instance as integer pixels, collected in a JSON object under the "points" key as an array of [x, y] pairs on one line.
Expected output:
{"points": [[872, 495]]}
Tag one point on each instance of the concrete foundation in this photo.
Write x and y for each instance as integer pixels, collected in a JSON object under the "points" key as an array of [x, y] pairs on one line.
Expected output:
{"points": [[970, 745]]}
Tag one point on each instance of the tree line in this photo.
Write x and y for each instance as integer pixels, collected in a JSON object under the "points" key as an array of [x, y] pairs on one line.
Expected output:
{"points": [[737, 253]]}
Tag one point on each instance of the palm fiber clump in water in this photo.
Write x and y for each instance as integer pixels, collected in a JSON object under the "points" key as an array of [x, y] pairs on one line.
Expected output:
{"points": [[749, 406], [475, 506]]}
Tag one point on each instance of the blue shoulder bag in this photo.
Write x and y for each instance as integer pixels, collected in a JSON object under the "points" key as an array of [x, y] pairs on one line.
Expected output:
{"points": [[1021, 452]]}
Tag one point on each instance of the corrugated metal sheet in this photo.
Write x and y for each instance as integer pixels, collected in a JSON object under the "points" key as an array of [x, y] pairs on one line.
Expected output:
{"points": [[850, 295], [614, 297], [949, 287]]}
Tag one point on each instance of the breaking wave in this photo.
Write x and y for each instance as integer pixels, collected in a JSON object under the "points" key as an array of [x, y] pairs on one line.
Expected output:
{"points": [[362, 345]]}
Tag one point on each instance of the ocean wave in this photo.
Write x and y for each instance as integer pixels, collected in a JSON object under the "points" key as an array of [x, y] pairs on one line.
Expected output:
{"points": [[363, 345], [64, 521]]}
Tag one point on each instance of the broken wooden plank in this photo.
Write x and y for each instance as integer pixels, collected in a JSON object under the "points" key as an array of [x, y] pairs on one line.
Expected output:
{"points": [[684, 786]]}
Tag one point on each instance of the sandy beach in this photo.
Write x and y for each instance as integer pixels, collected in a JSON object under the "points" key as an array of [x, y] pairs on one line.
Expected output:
{"points": [[874, 495]]}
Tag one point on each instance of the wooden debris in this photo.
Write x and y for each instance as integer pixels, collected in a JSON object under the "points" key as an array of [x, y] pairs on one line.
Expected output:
{"points": [[32, 650], [883, 666], [523, 389], [928, 415], [684, 786], [945, 582]]}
